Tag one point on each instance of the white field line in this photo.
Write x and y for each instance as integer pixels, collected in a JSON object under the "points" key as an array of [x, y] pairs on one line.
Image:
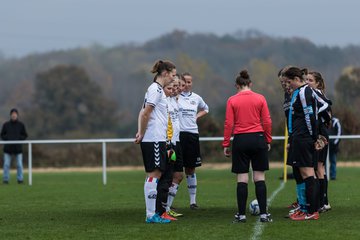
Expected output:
{"points": [[259, 226]]}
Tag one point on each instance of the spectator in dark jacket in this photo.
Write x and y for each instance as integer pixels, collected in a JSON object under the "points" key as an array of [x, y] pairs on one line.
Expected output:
{"points": [[335, 130], [13, 130]]}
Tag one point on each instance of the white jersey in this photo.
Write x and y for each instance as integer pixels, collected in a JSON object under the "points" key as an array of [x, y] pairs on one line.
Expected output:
{"points": [[189, 105], [157, 125], [173, 108]]}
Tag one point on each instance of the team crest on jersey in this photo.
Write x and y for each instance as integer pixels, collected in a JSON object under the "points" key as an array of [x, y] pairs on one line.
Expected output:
{"points": [[159, 90], [192, 102]]}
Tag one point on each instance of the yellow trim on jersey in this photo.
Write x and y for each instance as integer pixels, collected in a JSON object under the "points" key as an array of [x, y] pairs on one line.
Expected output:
{"points": [[170, 130]]}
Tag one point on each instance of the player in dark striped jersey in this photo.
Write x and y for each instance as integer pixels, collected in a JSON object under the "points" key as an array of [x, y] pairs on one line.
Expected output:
{"points": [[316, 81], [302, 122], [300, 204]]}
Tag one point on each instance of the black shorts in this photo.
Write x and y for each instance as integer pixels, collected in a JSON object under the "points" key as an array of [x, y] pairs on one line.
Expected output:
{"points": [[303, 152], [154, 155], [246, 148], [190, 146], [179, 164], [322, 154], [289, 160]]}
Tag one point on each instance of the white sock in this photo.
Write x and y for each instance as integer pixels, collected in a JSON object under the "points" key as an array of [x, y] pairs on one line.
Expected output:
{"points": [[150, 193], [171, 196], [192, 185]]}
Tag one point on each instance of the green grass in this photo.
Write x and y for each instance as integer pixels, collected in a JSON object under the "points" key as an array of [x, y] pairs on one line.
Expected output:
{"points": [[78, 206]]}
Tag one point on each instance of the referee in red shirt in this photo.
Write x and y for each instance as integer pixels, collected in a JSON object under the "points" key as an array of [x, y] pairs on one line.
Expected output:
{"points": [[248, 118]]}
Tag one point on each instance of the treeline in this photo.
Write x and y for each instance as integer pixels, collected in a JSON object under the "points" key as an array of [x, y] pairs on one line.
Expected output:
{"points": [[98, 91]]}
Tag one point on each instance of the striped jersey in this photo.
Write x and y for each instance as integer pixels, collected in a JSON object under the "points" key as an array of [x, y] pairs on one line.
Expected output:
{"points": [[323, 106], [324, 112], [302, 120], [335, 129]]}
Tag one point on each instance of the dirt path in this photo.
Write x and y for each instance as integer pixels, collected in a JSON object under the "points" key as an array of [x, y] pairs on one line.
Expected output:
{"points": [[218, 166]]}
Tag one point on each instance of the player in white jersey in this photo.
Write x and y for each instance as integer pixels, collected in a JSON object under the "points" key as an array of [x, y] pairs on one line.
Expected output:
{"points": [[191, 108], [167, 175], [178, 164], [317, 82], [182, 84], [151, 135]]}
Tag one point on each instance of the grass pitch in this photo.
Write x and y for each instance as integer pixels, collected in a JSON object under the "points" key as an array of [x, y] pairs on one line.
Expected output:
{"points": [[78, 206]]}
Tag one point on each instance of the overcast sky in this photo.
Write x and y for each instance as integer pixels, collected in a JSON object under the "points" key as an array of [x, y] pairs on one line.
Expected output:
{"points": [[28, 26]]}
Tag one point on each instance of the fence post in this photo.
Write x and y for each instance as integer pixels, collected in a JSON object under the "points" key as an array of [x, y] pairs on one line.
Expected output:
{"points": [[30, 163], [285, 152], [327, 164], [104, 161]]}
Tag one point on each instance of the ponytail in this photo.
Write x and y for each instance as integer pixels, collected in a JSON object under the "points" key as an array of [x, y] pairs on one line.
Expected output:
{"points": [[162, 66]]}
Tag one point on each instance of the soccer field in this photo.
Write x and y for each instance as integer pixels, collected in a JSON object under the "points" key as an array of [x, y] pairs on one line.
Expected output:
{"points": [[78, 206]]}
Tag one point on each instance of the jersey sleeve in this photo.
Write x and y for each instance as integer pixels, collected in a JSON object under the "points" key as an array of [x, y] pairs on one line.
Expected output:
{"points": [[153, 96], [337, 127], [266, 121], [228, 124], [202, 105], [323, 106]]}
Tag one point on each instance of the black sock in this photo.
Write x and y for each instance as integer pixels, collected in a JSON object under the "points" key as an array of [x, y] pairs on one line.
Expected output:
{"points": [[310, 188], [326, 200], [242, 194], [297, 176], [260, 190], [317, 194], [162, 195], [321, 192]]}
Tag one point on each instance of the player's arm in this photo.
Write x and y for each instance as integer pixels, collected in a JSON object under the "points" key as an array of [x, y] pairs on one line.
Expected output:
{"points": [[266, 122], [154, 95], [324, 106], [143, 121], [309, 108], [201, 114], [228, 128], [139, 119], [4, 132], [203, 109], [338, 131], [23, 133]]}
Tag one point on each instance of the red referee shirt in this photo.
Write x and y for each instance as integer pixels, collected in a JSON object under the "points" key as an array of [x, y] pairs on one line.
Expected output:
{"points": [[246, 112]]}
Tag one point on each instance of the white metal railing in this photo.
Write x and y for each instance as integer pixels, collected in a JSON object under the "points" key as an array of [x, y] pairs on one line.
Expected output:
{"points": [[120, 140]]}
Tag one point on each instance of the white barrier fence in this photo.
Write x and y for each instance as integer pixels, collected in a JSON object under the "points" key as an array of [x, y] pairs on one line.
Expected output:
{"points": [[120, 140]]}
